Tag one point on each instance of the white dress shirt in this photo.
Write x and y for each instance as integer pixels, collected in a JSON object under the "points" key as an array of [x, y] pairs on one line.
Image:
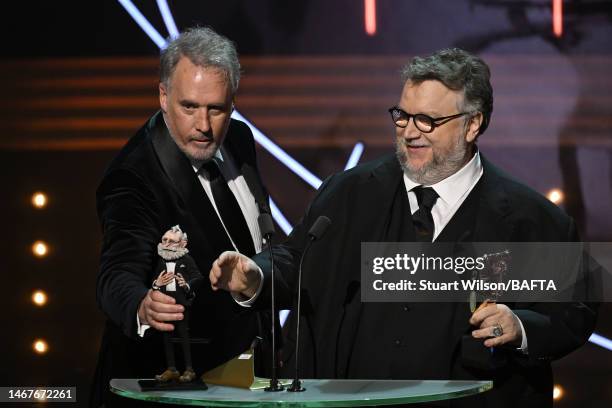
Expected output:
{"points": [[452, 192]]}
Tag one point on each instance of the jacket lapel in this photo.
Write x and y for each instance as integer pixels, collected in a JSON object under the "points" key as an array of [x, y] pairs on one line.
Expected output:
{"points": [[247, 167], [376, 195]]}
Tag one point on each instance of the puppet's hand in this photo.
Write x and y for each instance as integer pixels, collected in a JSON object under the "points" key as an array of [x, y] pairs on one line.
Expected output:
{"points": [[164, 278], [181, 281]]}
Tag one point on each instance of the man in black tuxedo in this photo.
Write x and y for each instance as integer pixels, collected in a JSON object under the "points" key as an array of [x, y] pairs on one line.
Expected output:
{"points": [[190, 164], [437, 187]]}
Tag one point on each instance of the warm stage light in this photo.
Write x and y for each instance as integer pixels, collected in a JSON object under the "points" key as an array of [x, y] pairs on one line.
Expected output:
{"points": [[39, 298], [555, 195], [39, 200], [40, 249], [41, 396], [40, 346], [557, 15], [557, 392], [370, 16]]}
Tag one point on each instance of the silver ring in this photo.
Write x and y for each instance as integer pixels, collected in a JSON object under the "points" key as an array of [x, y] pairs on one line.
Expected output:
{"points": [[497, 330]]}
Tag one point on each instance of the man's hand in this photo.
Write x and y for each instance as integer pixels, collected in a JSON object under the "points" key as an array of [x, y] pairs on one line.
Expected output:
{"points": [[158, 308], [235, 273], [492, 315]]}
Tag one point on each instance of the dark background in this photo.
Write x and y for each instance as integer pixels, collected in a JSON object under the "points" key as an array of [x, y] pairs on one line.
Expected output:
{"points": [[79, 77]]}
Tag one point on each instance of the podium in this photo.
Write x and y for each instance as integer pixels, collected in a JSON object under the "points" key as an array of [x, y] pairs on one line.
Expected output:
{"points": [[319, 393]]}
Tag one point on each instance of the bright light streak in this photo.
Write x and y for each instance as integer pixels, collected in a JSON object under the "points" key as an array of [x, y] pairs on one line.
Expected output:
{"points": [[557, 15], [280, 218], [280, 154], [601, 341], [282, 317], [143, 23], [370, 16], [355, 156], [168, 19]]}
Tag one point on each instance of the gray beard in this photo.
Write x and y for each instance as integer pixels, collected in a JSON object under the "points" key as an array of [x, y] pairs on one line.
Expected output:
{"points": [[438, 169], [171, 254]]}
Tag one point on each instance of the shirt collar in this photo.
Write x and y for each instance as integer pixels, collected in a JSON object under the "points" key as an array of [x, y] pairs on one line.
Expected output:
{"points": [[197, 164], [452, 188]]}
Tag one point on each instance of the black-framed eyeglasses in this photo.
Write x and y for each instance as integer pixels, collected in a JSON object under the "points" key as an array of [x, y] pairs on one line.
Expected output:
{"points": [[424, 123]]}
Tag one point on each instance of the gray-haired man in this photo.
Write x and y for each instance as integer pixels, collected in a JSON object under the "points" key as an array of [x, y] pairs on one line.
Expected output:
{"points": [[190, 164]]}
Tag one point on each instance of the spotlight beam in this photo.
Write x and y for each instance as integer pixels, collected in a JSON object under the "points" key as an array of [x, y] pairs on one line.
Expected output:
{"points": [[142, 21], [355, 156], [280, 218], [168, 19], [280, 154], [601, 341]]}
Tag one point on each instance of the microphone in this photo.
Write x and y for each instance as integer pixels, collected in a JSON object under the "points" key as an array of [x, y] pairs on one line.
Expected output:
{"points": [[316, 232], [266, 226]]}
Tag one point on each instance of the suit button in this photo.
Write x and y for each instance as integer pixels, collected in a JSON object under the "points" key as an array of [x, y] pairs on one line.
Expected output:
{"points": [[405, 308], [397, 342]]}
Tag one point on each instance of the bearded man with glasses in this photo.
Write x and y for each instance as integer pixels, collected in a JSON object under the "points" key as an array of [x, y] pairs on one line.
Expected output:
{"points": [[437, 187]]}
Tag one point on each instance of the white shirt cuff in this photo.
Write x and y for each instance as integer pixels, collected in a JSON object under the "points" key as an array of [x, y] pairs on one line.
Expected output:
{"points": [[142, 328], [238, 298], [523, 349]]}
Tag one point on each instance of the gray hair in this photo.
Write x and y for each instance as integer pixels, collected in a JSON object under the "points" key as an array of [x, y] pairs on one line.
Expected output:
{"points": [[204, 48], [459, 71], [177, 230]]}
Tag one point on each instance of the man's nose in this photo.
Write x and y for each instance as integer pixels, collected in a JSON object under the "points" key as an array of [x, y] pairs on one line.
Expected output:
{"points": [[410, 132], [202, 123]]}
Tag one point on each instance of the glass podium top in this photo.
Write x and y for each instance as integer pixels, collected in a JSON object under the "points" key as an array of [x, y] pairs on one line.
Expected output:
{"points": [[319, 393]]}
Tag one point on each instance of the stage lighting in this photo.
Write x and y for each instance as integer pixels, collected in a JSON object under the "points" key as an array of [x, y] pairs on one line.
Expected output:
{"points": [[557, 392], [40, 346], [370, 17], [39, 298], [39, 200], [40, 249], [555, 195], [41, 396]]}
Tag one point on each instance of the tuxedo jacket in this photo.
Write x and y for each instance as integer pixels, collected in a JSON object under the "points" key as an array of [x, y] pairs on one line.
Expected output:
{"points": [[186, 266], [341, 337], [149, 187]]}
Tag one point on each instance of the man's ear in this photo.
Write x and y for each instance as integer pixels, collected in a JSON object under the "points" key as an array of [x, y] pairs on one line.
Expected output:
{"points": [[163, 97], [473, 126]]}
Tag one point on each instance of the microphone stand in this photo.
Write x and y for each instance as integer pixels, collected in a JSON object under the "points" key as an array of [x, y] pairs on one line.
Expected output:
{"points": [[296, 385], [316, 232], [267, 228]]}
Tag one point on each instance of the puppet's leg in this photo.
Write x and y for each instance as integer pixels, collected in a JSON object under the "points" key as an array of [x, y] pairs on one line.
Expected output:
{"points": [[183, 331], [171, 372]]}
